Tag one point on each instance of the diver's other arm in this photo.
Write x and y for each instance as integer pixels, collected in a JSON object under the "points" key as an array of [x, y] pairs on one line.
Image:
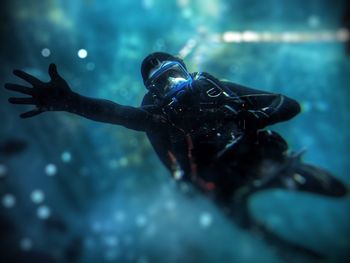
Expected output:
{"points": [[264, 108], [56, 95]]}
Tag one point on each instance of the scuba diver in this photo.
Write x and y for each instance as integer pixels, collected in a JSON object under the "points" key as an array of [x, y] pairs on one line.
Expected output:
{"points": [[206, 131]]}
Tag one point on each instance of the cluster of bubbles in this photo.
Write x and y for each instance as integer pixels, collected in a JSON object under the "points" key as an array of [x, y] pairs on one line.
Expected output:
{"points": [[37, 196], [107, 235], [81, 53], [43, 212]]}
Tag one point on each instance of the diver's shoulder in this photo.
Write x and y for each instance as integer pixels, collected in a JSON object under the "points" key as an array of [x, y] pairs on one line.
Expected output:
{"points": [[147, 99], [202, 75]]}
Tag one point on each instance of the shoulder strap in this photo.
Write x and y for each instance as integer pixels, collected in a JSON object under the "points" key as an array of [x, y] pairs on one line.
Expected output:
{"points": [[218, 87]]}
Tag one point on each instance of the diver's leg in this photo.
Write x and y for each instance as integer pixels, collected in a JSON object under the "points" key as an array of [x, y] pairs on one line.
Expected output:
{"points": [[295, 176], [309, 178]]}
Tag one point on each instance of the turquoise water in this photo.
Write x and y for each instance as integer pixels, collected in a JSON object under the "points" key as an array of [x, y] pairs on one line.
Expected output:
{"points": [[103, 194]]}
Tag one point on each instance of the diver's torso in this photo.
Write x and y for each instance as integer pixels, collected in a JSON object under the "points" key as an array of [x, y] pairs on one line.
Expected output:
{"points": [[197, 126]]}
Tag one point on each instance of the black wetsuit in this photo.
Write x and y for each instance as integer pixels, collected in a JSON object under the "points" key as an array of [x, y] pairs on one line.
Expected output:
{"points": [[209, 117]]}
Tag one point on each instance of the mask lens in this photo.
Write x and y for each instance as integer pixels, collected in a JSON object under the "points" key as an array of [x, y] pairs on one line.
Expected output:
{"points": [[167, 76]]}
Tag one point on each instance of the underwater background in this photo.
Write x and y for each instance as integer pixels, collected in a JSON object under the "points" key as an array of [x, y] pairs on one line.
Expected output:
{"points": [[73, 190]]}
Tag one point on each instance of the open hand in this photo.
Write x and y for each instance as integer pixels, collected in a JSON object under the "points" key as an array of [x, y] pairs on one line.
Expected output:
{"points": [[45, 96]]}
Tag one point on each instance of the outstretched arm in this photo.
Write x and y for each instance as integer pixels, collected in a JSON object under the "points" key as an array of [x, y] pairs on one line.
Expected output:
{"points": [[110, 112], [56, 95]]}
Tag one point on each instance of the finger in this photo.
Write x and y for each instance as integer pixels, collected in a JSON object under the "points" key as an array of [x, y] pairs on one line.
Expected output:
{"points": [[53, 72], [27, 77], [19, 88], [21, 100], [31, 113]]}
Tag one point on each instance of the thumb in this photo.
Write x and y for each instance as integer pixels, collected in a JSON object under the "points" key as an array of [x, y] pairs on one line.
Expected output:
{"points": [[53, 71]]}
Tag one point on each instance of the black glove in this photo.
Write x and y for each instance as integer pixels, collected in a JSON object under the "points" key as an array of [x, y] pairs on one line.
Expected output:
{"points": [[54, 95]]}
